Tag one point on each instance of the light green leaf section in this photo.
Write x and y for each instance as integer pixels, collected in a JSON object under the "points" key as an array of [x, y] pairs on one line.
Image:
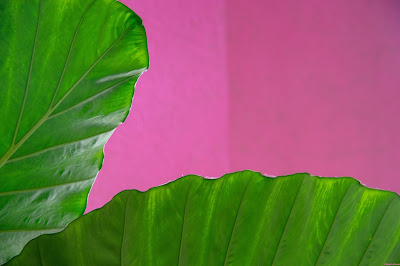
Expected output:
{"points": [[242, 218], [67, 71]]}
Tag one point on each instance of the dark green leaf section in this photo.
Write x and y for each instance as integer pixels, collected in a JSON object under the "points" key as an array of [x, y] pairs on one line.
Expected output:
{"points": [[242, 218], [68, 70]]}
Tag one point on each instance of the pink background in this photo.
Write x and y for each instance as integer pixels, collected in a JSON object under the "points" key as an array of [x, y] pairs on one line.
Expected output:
{"points": [[274, 86]]}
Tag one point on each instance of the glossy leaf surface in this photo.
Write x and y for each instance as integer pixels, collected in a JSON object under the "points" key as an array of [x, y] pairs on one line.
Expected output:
{"points": [[68, 70], [240, 219]]}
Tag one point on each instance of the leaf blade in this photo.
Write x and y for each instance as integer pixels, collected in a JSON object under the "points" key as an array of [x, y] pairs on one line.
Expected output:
{"points": [[55, 122], [334, 221]]}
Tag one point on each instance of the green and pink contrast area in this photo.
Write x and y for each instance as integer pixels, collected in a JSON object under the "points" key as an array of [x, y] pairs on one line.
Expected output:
{"points": [[279, 87], [274, 87]]}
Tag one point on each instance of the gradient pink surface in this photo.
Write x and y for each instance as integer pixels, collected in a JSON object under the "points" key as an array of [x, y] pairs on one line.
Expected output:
{"points": [[278, 87]]}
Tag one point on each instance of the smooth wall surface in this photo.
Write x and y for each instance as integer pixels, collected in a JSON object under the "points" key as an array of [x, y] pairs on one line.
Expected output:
{"points": [[314, 87], [178, 123], [273, 86]]}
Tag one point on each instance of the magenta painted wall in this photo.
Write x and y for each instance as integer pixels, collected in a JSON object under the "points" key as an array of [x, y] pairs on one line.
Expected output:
{"points": [[179, 120], [315, 87], [274, 86]]}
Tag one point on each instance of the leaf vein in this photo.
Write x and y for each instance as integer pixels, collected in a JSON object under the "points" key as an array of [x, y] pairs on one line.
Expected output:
{"points": [[376, 230], [333, 222], [235, 223], [14, 192], [286, 223], [90, 98], [69, 53], [29, 230], [15, 147], [183, 223], [54, 147], [21, 111], [123, 229]]}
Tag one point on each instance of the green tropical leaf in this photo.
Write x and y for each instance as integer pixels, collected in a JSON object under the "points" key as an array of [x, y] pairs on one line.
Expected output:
{"points": [[240, 219], [68, 70]]}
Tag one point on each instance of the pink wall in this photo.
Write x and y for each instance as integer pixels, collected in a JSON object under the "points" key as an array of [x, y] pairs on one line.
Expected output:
{"points": [[314, 87], [274, 86], [179, 120]]}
